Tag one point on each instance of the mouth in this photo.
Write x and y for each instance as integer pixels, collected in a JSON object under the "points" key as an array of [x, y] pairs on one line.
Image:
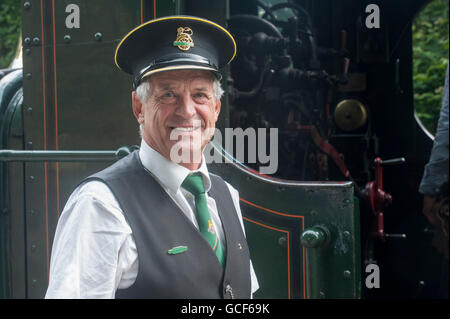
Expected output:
{"points": [[185, 129]]}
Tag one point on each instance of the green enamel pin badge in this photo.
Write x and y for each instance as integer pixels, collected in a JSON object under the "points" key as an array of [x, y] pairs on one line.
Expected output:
{"points": [[177, 250]]}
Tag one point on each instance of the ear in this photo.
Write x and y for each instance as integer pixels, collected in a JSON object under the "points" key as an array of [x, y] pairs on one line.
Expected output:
{"points": [[138, 108], [217, 109]]}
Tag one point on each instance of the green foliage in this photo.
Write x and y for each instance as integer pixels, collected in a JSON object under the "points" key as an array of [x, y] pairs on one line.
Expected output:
{"points": [[10, 23], [430, 53]]}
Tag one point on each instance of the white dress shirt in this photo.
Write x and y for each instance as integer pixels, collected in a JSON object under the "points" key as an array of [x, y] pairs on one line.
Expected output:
{"points": [[94, 252]]}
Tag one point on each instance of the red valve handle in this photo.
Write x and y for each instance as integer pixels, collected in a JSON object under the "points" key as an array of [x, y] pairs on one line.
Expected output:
{"points": [[378, 198]]}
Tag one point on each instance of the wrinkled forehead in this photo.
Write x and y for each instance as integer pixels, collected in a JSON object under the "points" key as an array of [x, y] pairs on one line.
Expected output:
{"points": [[182, 77]]}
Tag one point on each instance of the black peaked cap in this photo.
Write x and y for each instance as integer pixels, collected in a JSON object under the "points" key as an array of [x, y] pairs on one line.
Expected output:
{"points": [[174, 43]]}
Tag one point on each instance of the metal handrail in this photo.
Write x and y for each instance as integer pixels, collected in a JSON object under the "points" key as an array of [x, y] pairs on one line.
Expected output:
{"points": [[63, 156]]}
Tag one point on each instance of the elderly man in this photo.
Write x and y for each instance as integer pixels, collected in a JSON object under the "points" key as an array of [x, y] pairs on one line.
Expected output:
{"points": [[156, 224]]}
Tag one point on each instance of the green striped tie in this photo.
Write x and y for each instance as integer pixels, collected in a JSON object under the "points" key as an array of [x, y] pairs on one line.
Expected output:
{"points": [[194, 184]]}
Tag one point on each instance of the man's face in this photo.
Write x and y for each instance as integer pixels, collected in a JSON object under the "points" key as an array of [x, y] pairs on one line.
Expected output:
{"points": [[180, 104]]}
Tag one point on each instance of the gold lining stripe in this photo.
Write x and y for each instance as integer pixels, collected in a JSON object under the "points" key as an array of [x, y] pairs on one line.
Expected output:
{"points": [[178, 67], [168, 18], [215, 244]]}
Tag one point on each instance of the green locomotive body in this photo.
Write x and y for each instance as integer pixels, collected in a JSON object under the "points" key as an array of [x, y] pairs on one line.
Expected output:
{"points": [[336, 86]]}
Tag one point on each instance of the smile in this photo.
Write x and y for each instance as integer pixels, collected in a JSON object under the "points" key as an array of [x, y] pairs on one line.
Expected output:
{"points": [[185, 129]]}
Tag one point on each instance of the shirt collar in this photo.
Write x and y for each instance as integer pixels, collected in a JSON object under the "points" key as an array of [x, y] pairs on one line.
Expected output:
{"points": [[170, 174]]}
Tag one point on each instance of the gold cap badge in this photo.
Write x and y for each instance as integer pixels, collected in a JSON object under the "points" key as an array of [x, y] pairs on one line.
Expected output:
{"points": [[184, 41]]}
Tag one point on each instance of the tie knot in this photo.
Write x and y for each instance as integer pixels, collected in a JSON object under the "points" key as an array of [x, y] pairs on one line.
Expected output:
{"points": [[194, 184]]}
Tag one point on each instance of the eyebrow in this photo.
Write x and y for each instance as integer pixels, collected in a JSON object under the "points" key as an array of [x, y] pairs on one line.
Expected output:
{"points": [[166, 86], [201, 88]]}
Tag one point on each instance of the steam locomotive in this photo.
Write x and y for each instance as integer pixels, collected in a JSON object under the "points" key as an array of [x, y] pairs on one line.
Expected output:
{"points": [[340, 217]]}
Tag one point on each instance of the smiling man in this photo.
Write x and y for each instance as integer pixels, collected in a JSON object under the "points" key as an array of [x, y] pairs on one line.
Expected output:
{"points": [[156, 224], [180, 114]]}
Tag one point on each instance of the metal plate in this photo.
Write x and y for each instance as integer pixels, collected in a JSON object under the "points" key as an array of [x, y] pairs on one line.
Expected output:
{"points": [[276, 213], [77, 100]]}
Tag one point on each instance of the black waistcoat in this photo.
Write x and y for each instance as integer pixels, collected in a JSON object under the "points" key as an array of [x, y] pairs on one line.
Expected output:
{"points": [[158, 224]]}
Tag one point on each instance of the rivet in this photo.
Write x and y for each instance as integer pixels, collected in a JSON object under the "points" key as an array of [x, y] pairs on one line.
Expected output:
{"points": [[27, 41], [31, 178], [34, 282], [347, 273], [29, 109], [28, 76], [98, 36], [322, 295], [347, 234], [67, 38], [282, 241], [27, 5], [345, 203], [36, 41], [313, 213], [33, 247], [28, 51]]}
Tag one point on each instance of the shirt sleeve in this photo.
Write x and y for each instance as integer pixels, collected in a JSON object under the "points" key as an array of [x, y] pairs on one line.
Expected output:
{"points": [[235, 197], [89, 253], [436, 170]]}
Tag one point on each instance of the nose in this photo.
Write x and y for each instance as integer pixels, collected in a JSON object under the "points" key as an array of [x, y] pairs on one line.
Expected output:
{"points": [[186, 106]]}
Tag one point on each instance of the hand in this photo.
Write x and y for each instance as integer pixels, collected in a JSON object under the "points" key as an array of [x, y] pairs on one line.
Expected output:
{"points": [[428, 203]]}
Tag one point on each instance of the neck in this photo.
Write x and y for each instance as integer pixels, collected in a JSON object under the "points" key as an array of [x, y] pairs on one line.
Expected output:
{"points": [[190, 166], [192, 162]]}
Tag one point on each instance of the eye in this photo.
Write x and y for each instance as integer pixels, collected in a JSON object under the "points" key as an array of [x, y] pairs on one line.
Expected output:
{"points": [[169, 94], [201, 96], [167, 97]]}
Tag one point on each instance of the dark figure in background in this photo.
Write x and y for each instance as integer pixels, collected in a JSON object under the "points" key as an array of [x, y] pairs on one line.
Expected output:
{"points": [[434, 187]]}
